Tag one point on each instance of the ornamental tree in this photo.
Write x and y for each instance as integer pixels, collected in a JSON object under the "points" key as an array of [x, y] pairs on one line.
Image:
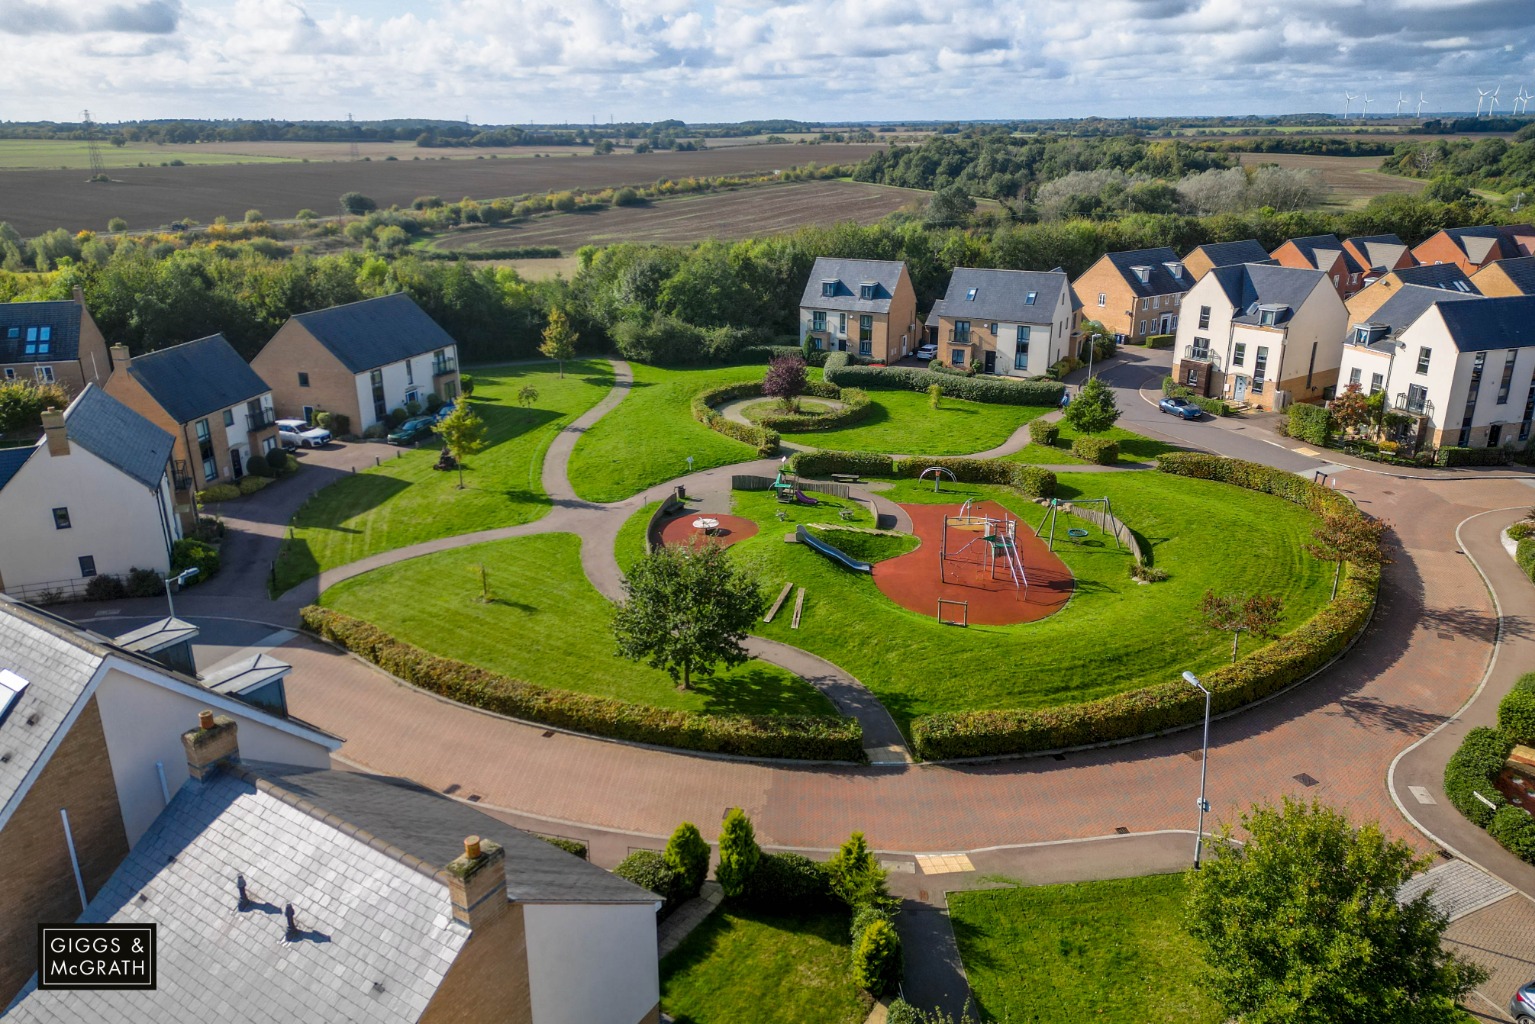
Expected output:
{"points": [[1094, 409], [559, 339], [1258, 615], [1351, 410], [739, 853], [1348, 537], [463, 433], [785, 380], [688, 856]]}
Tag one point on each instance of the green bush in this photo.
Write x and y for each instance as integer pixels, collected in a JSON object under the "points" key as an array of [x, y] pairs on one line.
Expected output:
{"points": [[105, 587], [1514, 829], [1310, 423], [648, 870], [397, 416], [902, 1012], [1516, 716], [739, 854], [787, 883], [767, 353], [259, 466], [218, 492], [1045, 432], [1160, 340], [1472, 768], [813, 737], [688, 856], [1172, 389], [143, 583], [1097, 450], [188, 553], [276, 459], [856, 408], [877, 958], [1452, 456], [993, 389], [855, 876], [1029, 481], [1524, 555], [1213, 406], [1522, 529], [934, 396], [252, 484], [574, 847], [823, 463]]}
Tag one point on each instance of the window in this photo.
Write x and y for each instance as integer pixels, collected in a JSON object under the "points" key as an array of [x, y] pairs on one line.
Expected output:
{"points": [[1376, 382], [1143, 327], [828, 289], [818, 320], [1238, 353], [1417, 397], [1021, 357], [229, 417], [87, 566], [13, 333], [61, 519], [10, 373], [1193, 377], [957, 357], [1145, 304], [376, 382], [970, 295], [205, 451], [303, 380], [1472, 393], [1311, 366], [866, 291], [1335, 281], [865, 348], [1028, 300], [1353, 279], [1267, 317], [1260, 368], [841, 323], [1529, 414], [1204, 318], [1103, 299], [961, 332], [268, 443], [1353, 375], [1494, 435], [1423, 356], [410, 373], [1508, 378], [865, 328], [44, 374]]}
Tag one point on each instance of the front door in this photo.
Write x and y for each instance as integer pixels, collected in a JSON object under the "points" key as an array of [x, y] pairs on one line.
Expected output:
{"points": [[1240, 394], [991, 362], [1494, 435], [236, 464]]}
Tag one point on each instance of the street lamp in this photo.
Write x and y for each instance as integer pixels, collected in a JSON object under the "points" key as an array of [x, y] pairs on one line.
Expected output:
{"points": [[1204, 767], [178, 579]]}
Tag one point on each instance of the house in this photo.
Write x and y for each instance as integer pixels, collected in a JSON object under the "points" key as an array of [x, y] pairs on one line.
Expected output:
{"points": [[1134, 294], [1462, 366], [1506, 277], [1204, 258], [1474, 247], [361, 360], [292, 893], [1262, 334], [95, 494], [1011, 322], [867, 307], [1327, 254], [52, 342], [1379, 254], [1444, 276], [209, 399], [90, 755]]}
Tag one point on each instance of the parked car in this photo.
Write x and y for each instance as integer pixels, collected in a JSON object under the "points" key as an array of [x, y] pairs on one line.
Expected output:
{"points": [[927, 353], [1522, 1006], [298, 434], [444, 411], [1181, 407], [412, 430]]}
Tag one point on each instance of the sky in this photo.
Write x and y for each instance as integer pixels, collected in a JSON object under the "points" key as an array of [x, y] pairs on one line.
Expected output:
{"points": [[546, 61]]}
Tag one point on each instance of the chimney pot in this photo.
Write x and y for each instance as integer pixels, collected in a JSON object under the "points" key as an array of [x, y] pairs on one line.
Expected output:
{"points": [[214, 742], [472, 847], [205, 719], [477, 883]]}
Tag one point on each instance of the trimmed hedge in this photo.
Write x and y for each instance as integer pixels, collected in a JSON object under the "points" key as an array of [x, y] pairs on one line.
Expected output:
{"points": [[856, 408], [1160, 340], [1452, 456], [1098, 450], [786, 882], [827, 462], [1045, 432], [812, 737], [649, 870], [761, 438], [216, 493], [1030, 481], [1214, 406], [1062, 367], [768, 353], [1165, 705], [574, 847], [1310, 423], [1516, 716], [983, 388], [1524, 555], [1471, 770]]}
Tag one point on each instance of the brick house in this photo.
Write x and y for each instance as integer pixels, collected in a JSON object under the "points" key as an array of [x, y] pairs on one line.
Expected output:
{"points": [[91, 737], [1204, 258], [362, 360], [209, 399], [94, 495], [1261, 334], [52, 342], [1474, 247], [1444, 276], [1506, 277], [1326, 254], [1379, 254], [1134, 294], [867, 307], [1012, 322]]}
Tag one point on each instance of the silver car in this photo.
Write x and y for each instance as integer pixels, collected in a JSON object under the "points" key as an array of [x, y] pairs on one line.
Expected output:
{"points": [[298, 434], [1522, 1006]]}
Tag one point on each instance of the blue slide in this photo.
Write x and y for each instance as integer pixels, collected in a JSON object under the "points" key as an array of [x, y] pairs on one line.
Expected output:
{"points": [[835, 555]]}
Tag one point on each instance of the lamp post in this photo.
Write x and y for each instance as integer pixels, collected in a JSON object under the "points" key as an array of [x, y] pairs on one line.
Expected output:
{"points": [[1204, 768], [178, 579]]}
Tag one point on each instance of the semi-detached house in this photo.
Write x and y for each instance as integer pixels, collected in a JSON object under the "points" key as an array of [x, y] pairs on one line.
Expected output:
{"points": [[52, 342], [1134, 294], [867, 307], [1011, 322]]}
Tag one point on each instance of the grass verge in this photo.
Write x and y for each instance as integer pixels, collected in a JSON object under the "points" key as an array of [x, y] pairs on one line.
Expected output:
{"points": [[902, 422], [1133, 447]]}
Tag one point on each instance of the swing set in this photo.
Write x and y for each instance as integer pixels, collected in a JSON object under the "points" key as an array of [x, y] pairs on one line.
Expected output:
{"points": [[1103, 517]]}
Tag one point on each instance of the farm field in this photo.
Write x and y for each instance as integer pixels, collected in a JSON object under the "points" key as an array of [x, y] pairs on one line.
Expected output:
{"points": [[36, 154], [147, 197], [1354, 180], [757, 210]]}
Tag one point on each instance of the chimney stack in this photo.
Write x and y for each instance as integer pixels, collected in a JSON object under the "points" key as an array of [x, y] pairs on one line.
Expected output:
{"points": [[215, 741], [79, 295], [120, 356], [477, 883], [53, 429]]}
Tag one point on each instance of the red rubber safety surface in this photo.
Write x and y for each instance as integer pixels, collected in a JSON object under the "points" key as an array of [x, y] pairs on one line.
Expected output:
{"points": [[912, 580], [680, 529]]}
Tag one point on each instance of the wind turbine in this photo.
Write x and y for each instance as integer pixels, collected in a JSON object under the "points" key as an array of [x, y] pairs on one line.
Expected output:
{"points": [[1419, 115], [1366, 113], [1348, 98], [1524, 98], [1491, 110], [1481, 94], [1400, 99]]}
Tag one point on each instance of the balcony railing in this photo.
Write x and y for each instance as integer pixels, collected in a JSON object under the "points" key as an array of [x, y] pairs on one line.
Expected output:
{"points": [[1414, 404], [255, 421], [181, 476], [1198, 355], [443, 367], [959, 337]]}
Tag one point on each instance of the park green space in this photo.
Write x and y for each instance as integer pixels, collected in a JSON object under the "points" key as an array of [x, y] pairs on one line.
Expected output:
{"points": [[1133, 447], [771, 406], [1069, 954], [545, 624], [750, 965], [903, 422], [43, 154], [405, 501]]}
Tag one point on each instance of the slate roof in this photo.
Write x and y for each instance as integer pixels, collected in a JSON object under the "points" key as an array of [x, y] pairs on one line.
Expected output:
{"points": [[1376, 252], [200, 377], [11, 460], [1491, 323], [375, 332], [116, 434], [1002, 295], [1159, 281], [1436, 275], [1226, 254], [1520, 271], [1250, 285], [62, 317], [1321, 251], [1485, 242], [846, 276], [377, 931], [432, 826], [1401, 310]]}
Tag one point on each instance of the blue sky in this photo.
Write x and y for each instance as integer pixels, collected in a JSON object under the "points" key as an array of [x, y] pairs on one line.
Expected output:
{"points": [[825, 60]]}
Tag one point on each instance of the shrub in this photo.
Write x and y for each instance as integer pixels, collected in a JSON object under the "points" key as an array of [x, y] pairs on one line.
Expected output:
{"points": [[627, 197], [739, 853], [105, 587], [356, 203], [688, 856], [188, 553], [143, 583], [466, 384], [855, 408], [434, 402], [1097, 450], [877, 958], [1147, 573], [648, 870], [217, 493], [397, 416], [763, 439], [1063, 367], [767, 353], [1516, 716], [902, 1012], [1514, 829], [1524, 555], [993, 389], [1160, 340], [574, 847], [1522, 529], [117, 224], [1452, 456], [1310, 423], [259, 465], [934, 396], [1045, 432], [1472, 768], [1172, 389], [814, 737], [815, 462], [276, 460], [855, 876], [1216, 407], [375, 431], [786, 882], [208, 528], [252, 484]]}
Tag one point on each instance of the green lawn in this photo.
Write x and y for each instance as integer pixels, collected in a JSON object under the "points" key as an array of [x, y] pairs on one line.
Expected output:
{"points": [[1113, 635], [647, 438], [1132, 448], [771, 406], [902, 422], [747, 965], [546, 624], [405, 501], [1063, 954], [630, 545]]}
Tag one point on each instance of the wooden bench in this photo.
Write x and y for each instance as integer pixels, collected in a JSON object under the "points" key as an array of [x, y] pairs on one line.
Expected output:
{"points": [[845, 478]]}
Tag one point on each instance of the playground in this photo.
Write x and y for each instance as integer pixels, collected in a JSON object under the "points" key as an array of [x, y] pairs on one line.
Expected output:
{"points": [[712, 527]]}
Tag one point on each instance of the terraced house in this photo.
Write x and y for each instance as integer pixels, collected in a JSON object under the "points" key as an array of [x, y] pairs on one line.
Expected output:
{"points": [[867, 307], [1135, 294], [1443, 276], [362, 361], [52, 342], [1202, 259], [206, 397], [1328, 255], [1474, 247], [1010, 322], [1506, 277]]}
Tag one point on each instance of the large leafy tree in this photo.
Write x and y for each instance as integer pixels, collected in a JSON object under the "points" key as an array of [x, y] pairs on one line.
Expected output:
{"points": [[687, 608], [1094, 409], [1301, 924]]}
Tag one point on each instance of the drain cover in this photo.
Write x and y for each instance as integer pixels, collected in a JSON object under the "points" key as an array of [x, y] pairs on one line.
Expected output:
{"points": [[1305, 780], [1194, 755], [1121, 830], [1060, 757], [1447, 636]]}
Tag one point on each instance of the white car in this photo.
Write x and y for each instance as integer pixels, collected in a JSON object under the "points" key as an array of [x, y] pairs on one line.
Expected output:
{"points": [[298, 434], [927, 353]]}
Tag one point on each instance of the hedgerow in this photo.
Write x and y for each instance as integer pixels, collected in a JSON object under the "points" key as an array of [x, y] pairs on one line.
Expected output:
{"points": [[1098, 450], [996, 390], [763, 439]]}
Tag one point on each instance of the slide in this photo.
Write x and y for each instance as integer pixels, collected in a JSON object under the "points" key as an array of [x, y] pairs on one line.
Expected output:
{"points": [[803, 498], [834, 554]]}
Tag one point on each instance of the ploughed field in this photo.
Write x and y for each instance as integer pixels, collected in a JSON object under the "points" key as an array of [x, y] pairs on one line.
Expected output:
{"points": [[1353, 180], [148, 197]]}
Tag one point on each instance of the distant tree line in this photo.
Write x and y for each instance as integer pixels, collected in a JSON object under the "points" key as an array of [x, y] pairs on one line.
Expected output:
{"points": [[1496, 163]]}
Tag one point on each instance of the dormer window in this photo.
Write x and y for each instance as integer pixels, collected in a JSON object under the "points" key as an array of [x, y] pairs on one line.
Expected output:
{"points": [[970, 295], [1143, 274], [1028, 300], [1268, 316], [828, 289], [867, 290], [1176, 269]]}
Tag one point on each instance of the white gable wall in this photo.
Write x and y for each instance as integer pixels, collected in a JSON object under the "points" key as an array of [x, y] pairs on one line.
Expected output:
{"points": [[592, 963]]}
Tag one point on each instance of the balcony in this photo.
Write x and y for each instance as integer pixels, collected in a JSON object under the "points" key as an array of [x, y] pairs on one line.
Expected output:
{"points": [[181, 475], [443, 367], [1416, 405], [1198, 355], [960, 337], [259, 419]]}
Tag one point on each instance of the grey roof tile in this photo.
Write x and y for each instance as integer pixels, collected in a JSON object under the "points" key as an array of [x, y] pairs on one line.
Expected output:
{"points": [[1264, 284], [1403, 309], [62, 320], [1435, 275], [116, 434], [1226, 254], [11, 461], [846, 278], [1521, 271], [197, 378], [1491, 323], [1159, 279], [1002, 295], [375, 332]]}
